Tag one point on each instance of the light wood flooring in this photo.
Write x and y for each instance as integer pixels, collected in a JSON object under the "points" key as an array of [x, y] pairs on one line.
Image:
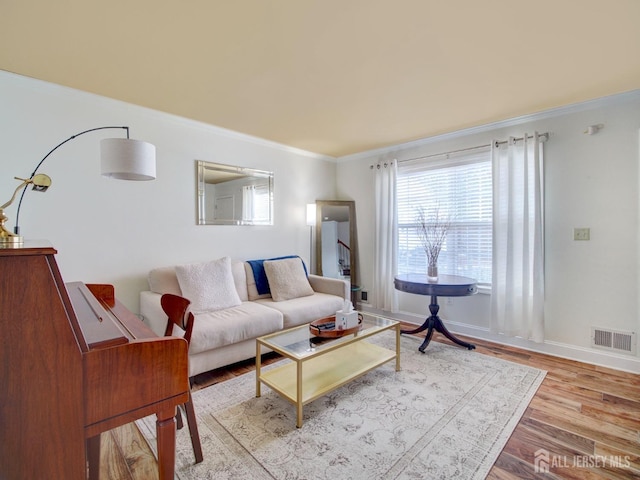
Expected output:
{"points": [[585, 418]]}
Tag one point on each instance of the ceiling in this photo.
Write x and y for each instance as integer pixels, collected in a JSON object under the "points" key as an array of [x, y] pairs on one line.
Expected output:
{"points": [[334, 77]]}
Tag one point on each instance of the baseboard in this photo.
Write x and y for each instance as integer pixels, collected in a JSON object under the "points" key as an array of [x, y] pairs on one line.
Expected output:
{"points": [[557, 349]]}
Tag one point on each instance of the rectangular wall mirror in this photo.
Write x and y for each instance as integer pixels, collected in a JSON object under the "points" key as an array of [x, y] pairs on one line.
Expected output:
{"points": [[229, 195]]}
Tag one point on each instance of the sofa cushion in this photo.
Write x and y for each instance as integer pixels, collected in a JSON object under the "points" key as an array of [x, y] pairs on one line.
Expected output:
{"points": [[163, 280], [298, 311], [232, 325], [240, 279], [209, 286], [252, 289], [287, 279]]}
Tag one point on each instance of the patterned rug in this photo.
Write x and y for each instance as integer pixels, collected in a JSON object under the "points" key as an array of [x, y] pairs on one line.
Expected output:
{"points": [[447, 414]]}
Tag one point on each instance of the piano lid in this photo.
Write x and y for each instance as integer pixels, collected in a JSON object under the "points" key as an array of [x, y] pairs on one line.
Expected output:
{"points": [[98, 325]]}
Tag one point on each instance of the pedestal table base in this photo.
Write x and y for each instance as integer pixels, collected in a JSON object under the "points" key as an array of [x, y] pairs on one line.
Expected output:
{"points": [[432, 323]]}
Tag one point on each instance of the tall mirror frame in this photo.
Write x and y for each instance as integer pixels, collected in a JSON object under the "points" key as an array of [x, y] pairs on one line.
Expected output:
{"points": [[337, 212]]}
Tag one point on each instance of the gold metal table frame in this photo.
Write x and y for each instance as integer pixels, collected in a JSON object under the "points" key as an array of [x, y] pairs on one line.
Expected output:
{"points": [[320, 366]]}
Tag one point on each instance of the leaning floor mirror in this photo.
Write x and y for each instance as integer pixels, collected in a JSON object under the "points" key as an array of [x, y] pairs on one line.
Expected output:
{"points": [[336, 241], [228, 195]]}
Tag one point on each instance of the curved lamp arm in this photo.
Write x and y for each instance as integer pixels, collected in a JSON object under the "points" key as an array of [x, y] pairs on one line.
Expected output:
{"points": [[35, 170], [142, 149]]}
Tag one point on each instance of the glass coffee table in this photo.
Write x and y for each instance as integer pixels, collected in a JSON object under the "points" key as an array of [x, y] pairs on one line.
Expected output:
{"points": [[320, 365]]}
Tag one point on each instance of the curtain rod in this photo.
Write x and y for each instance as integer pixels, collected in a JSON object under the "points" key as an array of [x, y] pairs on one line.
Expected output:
{"points": [[502, 142]]}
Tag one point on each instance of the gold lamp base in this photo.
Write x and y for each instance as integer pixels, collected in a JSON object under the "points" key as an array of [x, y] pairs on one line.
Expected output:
{"points": [[8, 239], [11, 242]]}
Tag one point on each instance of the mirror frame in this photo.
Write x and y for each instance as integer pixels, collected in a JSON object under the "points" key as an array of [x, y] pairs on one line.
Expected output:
{"points": [[232, 172], [353, 239]]}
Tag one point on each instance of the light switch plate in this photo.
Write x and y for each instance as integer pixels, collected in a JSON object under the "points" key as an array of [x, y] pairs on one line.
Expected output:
{"points": [[581, 233]]}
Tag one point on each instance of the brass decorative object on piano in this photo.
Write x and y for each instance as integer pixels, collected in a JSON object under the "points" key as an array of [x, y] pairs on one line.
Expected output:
{"points": [[75, 363], [41, 183]]}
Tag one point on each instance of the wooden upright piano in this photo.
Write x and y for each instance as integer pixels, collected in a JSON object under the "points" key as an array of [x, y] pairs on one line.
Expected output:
{"points": [[75, 363]]}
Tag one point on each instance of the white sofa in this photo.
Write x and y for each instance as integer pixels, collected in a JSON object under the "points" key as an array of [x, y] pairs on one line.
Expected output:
{"points": [[222, 336]]}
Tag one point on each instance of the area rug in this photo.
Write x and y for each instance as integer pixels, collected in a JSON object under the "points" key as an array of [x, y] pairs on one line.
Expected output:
{"points": [[447, 414]]}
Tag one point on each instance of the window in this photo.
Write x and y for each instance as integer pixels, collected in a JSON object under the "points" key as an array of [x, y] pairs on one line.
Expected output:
{"points": [[255, 203], [458, 187]]}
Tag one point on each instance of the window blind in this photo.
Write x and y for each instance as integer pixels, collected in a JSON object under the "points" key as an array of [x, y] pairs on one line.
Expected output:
{"points": [[459, 188]]}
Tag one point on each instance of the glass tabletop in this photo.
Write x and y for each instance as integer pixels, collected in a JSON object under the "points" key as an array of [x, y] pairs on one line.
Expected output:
{"points": [[299, 342]]}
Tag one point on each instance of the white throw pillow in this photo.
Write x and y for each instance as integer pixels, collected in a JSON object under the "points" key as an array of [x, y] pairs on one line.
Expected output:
{"points": [[208, 285], [287, 279]]}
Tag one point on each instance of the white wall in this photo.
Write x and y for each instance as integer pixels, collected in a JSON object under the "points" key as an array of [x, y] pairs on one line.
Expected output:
{"points": [[110, 231], [590, 181]]}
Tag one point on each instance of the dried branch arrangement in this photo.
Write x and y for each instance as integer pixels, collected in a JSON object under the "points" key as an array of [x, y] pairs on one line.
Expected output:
{"points": [[433, 229]]}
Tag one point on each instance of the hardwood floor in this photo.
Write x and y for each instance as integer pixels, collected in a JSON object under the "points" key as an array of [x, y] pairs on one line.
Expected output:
{"points": [[584, 421]]}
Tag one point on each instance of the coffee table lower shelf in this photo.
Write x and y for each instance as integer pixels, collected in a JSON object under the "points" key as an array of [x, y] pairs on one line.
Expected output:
{"points": [[302, 381]]}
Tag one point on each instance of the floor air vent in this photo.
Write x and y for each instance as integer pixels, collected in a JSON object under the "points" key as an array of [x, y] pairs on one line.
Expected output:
{"points": [[614, 340]]}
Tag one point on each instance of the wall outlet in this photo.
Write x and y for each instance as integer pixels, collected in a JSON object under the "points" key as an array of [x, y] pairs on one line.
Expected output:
{"points": [[364, 296], [581, 233]]}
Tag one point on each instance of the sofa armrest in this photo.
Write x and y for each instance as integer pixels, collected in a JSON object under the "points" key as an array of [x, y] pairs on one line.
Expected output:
{"points": [[152, 312], [333, 286]]}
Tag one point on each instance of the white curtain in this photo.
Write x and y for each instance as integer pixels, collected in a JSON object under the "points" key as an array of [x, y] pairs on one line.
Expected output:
{"points": [[517, 292], [248, 202], [385, 239]]}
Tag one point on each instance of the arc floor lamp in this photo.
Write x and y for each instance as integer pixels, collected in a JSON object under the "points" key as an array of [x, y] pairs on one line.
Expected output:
{"points": [[121, 158]]}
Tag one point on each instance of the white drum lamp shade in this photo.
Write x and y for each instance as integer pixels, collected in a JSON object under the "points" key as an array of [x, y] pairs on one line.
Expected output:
{"points": [[128, 159]]}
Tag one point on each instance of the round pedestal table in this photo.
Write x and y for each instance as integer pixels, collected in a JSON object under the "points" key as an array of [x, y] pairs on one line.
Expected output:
{"points": [[445, 286]]}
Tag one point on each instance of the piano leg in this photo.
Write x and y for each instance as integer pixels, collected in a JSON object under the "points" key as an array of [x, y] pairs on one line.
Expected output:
{"points": [[93, 457], [166, 434]]}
